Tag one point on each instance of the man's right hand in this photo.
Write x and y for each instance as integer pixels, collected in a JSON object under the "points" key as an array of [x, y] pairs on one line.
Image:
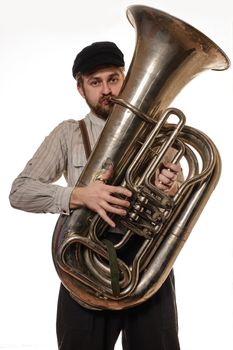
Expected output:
{"points": [[100, 198]]}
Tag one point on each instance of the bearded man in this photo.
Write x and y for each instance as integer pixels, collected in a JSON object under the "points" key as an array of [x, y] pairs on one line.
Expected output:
{"points": [[99, 72]]}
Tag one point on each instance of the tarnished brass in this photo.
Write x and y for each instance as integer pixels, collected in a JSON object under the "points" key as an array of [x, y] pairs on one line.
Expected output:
{"points": [[138, 134]]}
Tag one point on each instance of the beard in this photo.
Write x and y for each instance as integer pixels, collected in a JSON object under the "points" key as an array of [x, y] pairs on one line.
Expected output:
{"points": [[102, 111], [103, 108]]}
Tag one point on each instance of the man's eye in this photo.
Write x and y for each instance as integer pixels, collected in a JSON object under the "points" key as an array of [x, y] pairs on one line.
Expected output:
{"points": [[114, 80], [95, 83]]}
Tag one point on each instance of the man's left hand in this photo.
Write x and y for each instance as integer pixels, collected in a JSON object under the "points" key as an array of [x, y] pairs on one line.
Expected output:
{"points": [[166, 179]]}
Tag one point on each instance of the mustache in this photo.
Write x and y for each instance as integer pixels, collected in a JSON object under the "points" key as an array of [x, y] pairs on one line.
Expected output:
{"points": [[106, 98]]}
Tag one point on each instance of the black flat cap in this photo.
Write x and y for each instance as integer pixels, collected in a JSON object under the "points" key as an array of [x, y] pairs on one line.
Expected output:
{"points": [[98, 54]]}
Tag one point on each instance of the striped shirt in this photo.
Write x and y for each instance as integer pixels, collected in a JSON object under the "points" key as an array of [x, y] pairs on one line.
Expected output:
{"points": [[61, 153]]}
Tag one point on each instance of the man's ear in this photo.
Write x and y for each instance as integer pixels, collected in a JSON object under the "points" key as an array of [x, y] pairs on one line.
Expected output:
{"points": [[80, 90]]}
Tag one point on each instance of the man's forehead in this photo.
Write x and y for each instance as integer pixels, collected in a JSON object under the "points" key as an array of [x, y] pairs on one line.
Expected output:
{"points": [[104, 72]]}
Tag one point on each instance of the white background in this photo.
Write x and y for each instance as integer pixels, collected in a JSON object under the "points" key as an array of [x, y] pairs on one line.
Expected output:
{"points": [[39, 40]]}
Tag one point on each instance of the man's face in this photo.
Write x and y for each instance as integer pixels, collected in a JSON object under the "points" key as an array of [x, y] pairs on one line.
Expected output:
{"points": [[97, 87]]}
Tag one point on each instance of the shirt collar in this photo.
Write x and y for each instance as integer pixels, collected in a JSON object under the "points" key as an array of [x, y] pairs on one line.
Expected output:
{"points": [[95, 120]]}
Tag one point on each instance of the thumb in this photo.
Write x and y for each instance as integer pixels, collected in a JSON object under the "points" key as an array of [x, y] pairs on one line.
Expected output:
{"points": [[107, 173]]}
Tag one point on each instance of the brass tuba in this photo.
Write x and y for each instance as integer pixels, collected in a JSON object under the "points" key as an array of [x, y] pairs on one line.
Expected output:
{"points": [[124, 271]]}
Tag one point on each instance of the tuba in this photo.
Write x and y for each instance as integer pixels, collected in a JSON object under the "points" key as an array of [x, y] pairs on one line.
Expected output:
{"points": [[118, 269]]}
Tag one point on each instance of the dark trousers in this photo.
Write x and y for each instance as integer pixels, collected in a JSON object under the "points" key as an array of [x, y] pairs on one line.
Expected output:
{"points": [[149, 326]]}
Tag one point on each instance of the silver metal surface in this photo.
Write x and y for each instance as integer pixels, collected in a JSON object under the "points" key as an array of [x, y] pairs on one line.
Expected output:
{"points": [[168, 54]]}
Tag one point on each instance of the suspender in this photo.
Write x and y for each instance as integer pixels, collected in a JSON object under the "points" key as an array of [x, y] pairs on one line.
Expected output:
{"points": [[85, 137], [114, 270]]}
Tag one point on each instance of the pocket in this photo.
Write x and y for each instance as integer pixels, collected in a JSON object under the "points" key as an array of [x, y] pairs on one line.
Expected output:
{"points": [[78, 161], [78, 156]]}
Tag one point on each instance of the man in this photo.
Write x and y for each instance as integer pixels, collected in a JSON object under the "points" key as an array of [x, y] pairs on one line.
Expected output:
{"points": [[99, 71]]}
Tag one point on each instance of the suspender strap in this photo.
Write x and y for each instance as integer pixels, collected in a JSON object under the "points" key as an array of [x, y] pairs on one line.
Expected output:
{"points": [[85, 137], [114, 270]]}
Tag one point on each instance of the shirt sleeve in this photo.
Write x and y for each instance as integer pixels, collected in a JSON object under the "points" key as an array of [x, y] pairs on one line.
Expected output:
{"points": [[34, 190]]}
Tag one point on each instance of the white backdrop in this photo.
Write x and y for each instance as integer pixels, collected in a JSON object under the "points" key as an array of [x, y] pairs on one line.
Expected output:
{"points": [[39, 40]]}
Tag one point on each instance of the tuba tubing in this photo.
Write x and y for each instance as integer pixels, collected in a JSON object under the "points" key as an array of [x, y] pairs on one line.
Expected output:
{"points": [[137, 135]]}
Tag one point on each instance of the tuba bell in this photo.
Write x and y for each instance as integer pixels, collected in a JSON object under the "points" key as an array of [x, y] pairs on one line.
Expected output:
{"points": [[123, 268]]}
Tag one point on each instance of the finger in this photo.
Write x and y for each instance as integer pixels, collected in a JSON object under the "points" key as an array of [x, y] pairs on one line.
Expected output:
{"points": [[117, 201], [165, 180], [120, 190], [103, 214], [107, 173], [173, 167], [170, 174], [112, 209], [160, 185]]}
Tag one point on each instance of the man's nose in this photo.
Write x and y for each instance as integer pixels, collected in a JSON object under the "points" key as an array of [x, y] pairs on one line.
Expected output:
{"points": [[106, 89]]}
